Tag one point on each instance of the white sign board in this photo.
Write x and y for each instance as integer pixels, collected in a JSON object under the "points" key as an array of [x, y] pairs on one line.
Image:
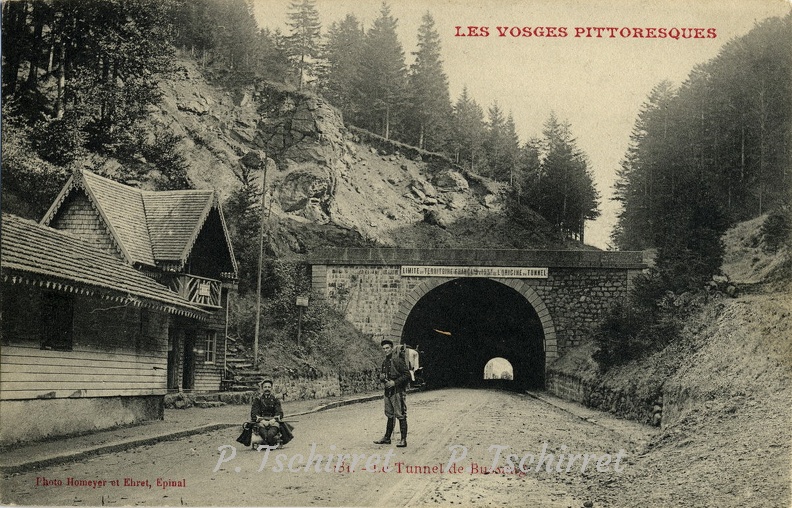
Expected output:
{"points": [[302, 301], [204, 289], [503, 272]]}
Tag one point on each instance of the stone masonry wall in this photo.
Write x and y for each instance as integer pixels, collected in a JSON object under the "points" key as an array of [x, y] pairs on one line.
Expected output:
{"points": [[370, 296], [596, 394], [287, 388], [577, 297]]}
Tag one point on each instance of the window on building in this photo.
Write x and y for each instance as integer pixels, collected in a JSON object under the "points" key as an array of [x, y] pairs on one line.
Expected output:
{"points": [[21, 321], [57, 322], [211, 343]]}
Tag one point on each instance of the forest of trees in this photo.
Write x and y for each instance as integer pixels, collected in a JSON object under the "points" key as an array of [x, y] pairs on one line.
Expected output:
{"points": [[78, 78], [715, 150], [78, 81]]}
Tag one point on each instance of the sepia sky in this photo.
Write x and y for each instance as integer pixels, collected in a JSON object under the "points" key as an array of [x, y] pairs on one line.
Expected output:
{"points": [[597, 84]]}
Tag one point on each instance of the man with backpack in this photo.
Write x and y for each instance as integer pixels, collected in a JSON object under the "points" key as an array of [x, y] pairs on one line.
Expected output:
{"points": [[396, 377]]}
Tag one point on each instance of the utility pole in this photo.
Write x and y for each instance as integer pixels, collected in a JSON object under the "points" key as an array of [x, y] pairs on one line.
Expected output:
{"points": [[299, 326], [260, 266]]}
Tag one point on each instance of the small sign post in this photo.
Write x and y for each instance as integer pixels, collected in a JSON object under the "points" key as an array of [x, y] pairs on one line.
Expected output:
{"points": [[302, 302]]}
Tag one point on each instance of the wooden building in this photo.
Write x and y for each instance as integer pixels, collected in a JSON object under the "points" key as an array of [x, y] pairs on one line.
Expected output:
{"points": [[117, 297]]}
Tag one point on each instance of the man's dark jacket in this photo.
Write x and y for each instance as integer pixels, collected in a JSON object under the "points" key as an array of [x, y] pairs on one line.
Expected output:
{"points": [[395, 368], [268, 406]]}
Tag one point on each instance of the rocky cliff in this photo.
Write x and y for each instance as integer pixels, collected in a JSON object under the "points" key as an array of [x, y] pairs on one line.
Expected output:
{"points": [[330, 184]]}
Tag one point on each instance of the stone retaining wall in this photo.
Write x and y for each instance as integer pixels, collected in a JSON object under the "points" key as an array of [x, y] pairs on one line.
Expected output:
{"points": [[597, 395], [286, 388]]}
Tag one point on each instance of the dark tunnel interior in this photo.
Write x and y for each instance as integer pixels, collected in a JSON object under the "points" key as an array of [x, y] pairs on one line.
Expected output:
{"points": [[462, 324]]}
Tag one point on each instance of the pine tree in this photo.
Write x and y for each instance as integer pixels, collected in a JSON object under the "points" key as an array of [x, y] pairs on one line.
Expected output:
{"points": [[494, 140], [342, 54], [196, 27], [511, 149], [271, 60], [567, 196], [528, 174], [236, 36], [468, 132], [430, 108], [303, 42], [638, 185], [502, 145], [383, 80]]}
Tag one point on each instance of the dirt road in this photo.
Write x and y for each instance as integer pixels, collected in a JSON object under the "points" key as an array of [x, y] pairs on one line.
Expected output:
{"points": [[455, 439]]}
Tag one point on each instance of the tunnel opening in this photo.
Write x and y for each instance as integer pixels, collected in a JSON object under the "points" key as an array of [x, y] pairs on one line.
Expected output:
{"points": [[459, 326], [498, 373]]}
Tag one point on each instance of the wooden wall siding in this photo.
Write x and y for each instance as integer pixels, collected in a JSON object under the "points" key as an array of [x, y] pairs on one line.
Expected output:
{"points": [[207, 376], [79, 217], [117, 350], [31, 373]]}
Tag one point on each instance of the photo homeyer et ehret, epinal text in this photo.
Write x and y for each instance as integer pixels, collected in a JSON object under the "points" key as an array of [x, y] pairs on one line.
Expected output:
{"points": [[543, 246]]}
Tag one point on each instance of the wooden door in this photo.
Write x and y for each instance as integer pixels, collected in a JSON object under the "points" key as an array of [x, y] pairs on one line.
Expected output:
{"points": [[188, 368]]}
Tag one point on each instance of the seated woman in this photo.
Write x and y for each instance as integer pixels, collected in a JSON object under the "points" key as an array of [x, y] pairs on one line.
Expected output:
{"points": [[266, 411]]}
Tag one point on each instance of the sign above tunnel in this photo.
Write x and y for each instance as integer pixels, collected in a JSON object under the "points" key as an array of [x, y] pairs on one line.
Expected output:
{"points": [[502, 272]]}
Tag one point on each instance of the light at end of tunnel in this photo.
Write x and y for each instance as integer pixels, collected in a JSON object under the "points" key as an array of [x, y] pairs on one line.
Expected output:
{"points": [[442, 332]]}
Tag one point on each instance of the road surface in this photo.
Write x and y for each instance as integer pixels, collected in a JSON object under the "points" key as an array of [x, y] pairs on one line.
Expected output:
{"points": [[541, 455]]}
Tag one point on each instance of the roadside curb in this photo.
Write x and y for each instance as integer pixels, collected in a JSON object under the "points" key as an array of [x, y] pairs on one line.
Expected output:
{"points": [[168, 436], [340, 403], [549, 401], [110, 448]]}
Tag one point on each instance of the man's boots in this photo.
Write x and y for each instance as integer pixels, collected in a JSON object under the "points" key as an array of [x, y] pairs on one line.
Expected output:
{"points": [[403, 429], [386, 439]]}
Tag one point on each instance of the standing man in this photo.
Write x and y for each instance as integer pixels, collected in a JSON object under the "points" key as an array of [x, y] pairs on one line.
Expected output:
{"points": [[396, 376]]}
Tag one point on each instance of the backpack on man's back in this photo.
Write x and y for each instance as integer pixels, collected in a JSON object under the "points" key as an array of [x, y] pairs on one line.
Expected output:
{"points": [[410, 357]]}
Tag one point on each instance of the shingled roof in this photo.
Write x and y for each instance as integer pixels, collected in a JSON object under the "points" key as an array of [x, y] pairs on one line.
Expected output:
{"points": [[36, 254], [173, 220], [149, 227]]}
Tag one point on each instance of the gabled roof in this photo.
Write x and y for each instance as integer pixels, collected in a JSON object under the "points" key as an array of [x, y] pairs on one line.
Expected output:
{"points": [[174, 221], [121, 209], [149, 227], [37, 254]]}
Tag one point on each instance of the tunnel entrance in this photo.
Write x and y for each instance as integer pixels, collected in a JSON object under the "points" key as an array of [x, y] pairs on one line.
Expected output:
{"points": [[499, 368], [499, 373], [461, 325]]}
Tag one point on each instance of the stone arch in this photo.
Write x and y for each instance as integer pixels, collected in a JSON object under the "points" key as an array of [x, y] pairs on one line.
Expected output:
{"points": [[529, 293]]}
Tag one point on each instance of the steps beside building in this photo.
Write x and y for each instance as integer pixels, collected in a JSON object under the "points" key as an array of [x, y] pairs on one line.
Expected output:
{"points": [[240, 375]]}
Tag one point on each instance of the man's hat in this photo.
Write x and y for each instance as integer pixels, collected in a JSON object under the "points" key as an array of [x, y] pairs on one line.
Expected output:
{"points": [[265, 380], [386, 341]]}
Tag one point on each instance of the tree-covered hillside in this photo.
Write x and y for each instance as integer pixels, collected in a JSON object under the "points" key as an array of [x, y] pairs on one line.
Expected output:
{"points": [[713, 151], [705, 155], [80, 78]]}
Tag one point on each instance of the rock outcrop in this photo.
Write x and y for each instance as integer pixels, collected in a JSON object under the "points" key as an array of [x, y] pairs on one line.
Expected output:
{"points": [[330, 182], [297, 126]]}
